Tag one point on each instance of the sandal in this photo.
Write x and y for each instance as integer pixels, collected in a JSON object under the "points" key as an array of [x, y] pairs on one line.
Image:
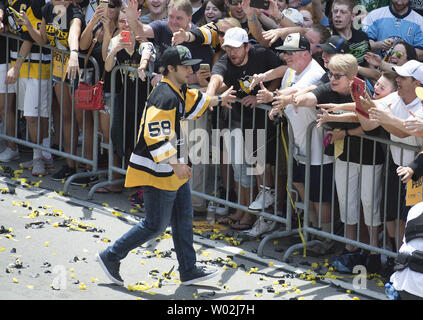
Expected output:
{"points": [[242, 226], [227, 221]]}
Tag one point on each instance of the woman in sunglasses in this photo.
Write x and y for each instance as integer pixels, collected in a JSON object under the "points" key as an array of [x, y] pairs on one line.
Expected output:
{"points": [[400, 53]]}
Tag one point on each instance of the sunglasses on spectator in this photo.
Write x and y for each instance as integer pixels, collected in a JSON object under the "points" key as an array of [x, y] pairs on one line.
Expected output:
{"points": [[290, 52], [336, 76], [111, 6], [399, 54], [234, 2]]}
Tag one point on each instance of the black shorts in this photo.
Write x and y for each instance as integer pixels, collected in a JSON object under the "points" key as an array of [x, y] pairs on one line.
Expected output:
{"points": [[395, 184], [298, 175]]}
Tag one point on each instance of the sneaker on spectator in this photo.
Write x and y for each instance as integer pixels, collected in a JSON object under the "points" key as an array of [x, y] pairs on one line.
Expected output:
{"points": [[261, 226], [63, 173], [38, 167], [220, 208], [9, 155], [82, 181], [48, 164], [110, 268], [269, 198], [199, 274]]}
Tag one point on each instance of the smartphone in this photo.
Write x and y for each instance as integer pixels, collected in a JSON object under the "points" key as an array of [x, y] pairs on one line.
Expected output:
{"points": [[124, 36], [259, 4], [205, 66], [359, 90], [16, 13], [105, 5]]}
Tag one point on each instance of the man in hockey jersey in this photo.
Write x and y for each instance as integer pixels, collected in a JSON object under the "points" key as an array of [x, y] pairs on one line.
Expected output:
{"points": [[158, 165]]}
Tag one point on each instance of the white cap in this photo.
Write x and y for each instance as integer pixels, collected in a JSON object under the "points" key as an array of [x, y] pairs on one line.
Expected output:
{"points": [[235, 37], [294, 15], [411, 68]]}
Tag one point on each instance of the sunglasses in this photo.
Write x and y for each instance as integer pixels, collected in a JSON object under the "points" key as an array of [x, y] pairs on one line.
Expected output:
{"points": [[220, 33], [399, 54], [111, 6], [234, 2], [336, 76], [290, 52]]}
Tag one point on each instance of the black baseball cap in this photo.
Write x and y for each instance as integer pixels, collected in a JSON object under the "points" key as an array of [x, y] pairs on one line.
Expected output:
{"points": [[335, 44], [178, 55], [295, 42]]}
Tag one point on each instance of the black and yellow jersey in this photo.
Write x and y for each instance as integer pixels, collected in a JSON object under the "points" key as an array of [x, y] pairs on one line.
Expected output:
{"points": [[207, 35], [161, 135], [32, 8]]}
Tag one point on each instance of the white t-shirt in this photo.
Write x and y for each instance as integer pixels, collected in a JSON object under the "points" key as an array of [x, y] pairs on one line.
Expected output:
{"points": [[409, 280], [305, 115], [401, 110]]}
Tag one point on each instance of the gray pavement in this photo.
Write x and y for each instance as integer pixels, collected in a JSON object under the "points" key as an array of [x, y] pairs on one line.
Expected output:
{"points": [[48, 241]]}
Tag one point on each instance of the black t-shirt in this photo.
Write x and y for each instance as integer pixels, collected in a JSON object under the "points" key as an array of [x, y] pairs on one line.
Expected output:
{"points": [[58, 30], [260, 59], [359, 45], [324, 94], [163, 39]]}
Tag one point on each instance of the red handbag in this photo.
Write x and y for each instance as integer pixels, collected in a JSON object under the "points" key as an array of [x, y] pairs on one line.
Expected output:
{"points": [[89, 97]]}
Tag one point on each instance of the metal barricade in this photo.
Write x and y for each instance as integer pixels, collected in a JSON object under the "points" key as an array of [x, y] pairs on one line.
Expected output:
{"points": [[307, 229], [73, 155]]}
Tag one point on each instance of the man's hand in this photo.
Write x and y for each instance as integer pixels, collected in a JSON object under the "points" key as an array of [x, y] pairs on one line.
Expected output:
{"points": [[414, 125], [249, 101], [405, 172], [182, 170], [131, 10], [323, 117], [274, 34], [380, 116], [227, 98], [202, 76], [264, 95], [275, 112], [373, 59], [336, 135], [257, 78], [12, 76], [179, 37]]}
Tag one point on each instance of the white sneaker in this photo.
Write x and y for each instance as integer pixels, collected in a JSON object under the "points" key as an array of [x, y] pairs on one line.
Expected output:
{"points": [[261, 226], [269, 198], [9, 155], [38, 167], [221, 209]]}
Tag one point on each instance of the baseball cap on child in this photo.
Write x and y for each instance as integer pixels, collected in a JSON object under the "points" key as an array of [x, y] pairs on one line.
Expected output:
{"points": [[412, 68], [178, 55], [235, 37], [295, 42]]}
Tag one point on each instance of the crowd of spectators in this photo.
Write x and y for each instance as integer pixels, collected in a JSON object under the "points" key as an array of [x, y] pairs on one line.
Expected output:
{"points": [[298, 56]]}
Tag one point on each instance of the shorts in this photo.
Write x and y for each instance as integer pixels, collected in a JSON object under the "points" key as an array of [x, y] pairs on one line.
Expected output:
{"points": [[28, 97], [11, 88], [371, 192], [244, 172], [298, 175]]}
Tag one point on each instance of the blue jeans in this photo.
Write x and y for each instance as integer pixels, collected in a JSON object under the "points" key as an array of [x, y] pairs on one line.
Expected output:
{"points": [[162, 208]]}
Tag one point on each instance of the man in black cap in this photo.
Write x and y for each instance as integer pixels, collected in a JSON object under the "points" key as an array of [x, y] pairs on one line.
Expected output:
{"points": [[158, 164]]}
